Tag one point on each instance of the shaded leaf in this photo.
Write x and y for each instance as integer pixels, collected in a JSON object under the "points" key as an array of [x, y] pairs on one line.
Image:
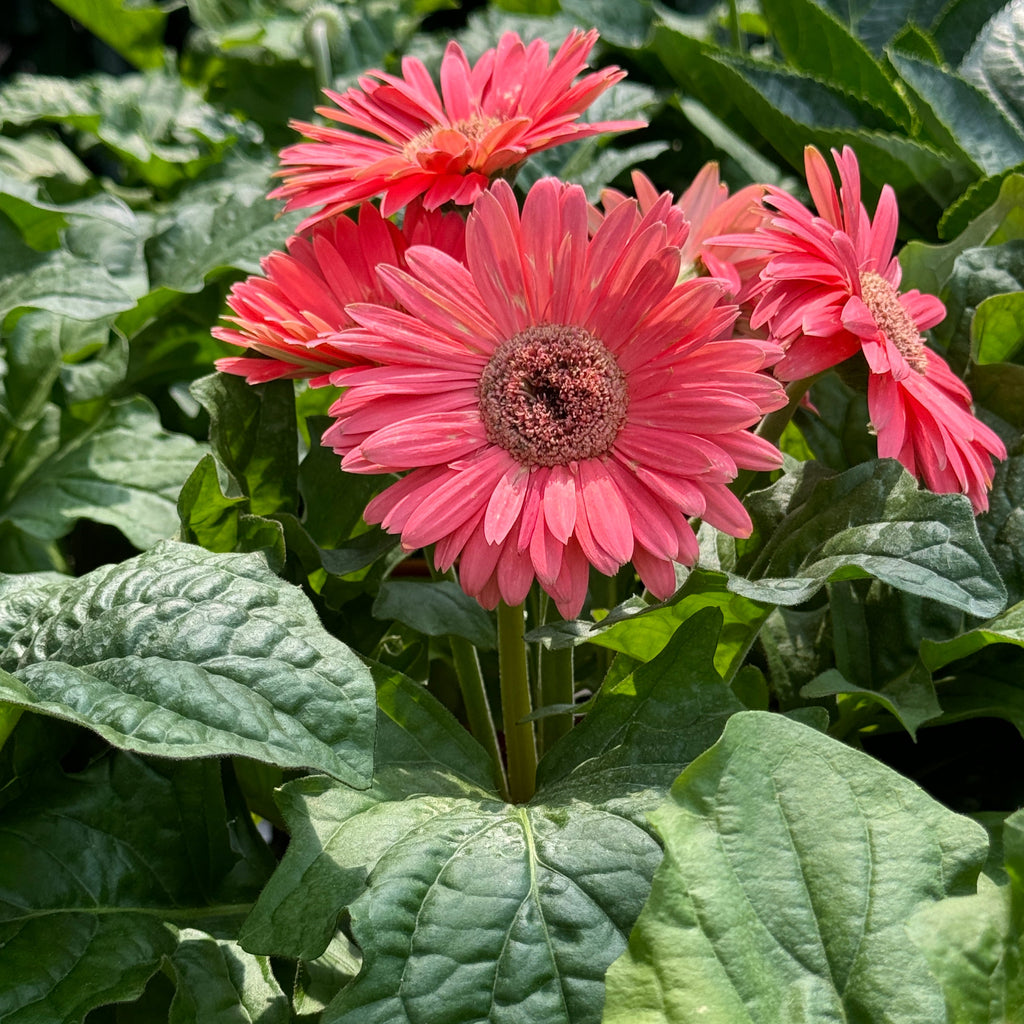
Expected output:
{"points": [[438, 608]]}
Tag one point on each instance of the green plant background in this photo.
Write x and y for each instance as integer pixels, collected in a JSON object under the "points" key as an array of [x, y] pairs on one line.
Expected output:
{"points": [[811, 753]]}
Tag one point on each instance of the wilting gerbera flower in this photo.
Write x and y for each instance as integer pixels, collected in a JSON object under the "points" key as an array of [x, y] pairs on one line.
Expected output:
{"points": [[446, 148], [832, 290], [557, 402], [709, 210], [292, 314]]}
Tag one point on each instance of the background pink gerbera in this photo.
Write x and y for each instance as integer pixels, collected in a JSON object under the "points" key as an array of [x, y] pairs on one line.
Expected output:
{"points": [[411, 141], [556, 402], [831, 290], [292, 314]]}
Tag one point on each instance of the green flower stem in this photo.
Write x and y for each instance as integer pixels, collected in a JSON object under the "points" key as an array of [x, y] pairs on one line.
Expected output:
{"points": [[557, 687], [478, 710], [520, 744], [474, 694]]}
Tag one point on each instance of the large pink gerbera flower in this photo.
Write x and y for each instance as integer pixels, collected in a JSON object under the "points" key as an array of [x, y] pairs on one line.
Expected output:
{"points": [[556, 402], [447, 148], [292, 314], [831, 291]]}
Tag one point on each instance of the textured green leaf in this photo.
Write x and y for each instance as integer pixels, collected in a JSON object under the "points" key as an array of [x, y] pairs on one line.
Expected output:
{"points": [[218, 983], [1007, 628], [960, 116], [997, 330], [995, 62], [975, 944], [438, 608], [218, 226], [814, 40], [872, 520], [57, 280], [254, 434], [959, 23], [877, 21], [124, 469], [928, 267], [160, 127], [136, 32], [1002, 527], [792, 864], [910, 697], [467, 908], [183, 653], [130, 847]]}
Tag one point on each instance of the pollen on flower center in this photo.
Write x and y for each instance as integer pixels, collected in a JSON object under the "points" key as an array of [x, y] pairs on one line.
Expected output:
{"points": [[472, 129], [553, 394], [892, 319]]}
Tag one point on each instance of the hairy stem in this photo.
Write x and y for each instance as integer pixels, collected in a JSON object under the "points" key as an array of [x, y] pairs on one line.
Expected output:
{"points": [[520, 744]]}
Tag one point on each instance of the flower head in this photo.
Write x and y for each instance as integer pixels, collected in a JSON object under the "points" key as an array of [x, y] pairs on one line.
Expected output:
{"points": [[831, 290], [411, 141], [292, 314], [708, 209], [557, 402]]}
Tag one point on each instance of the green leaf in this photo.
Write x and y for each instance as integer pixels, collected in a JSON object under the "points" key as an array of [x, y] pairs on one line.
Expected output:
{"points": [[124, 470], [960, 117], [58, 281], [253, 432], [183, 653], [928, 267], [622, 24], [162, 129], [975, 944], [959, 23], [997, 330], [215, 227], [467, 908], [872, 520], [814, 40], [877, 21], [1002, 527], [1007, 628], [130, 847], [439, 608], [218, 523], [910, 697], [994, 62], [217, 983], [792, 864], [135, 32]]}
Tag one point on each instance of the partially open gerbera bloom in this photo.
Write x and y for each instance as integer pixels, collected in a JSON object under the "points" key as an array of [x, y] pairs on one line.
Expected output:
{"points": [[832, 290], [292, 314], [410, 141], [558, 401], [709, 210]]}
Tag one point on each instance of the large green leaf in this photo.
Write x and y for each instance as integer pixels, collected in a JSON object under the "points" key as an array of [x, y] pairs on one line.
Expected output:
{"points": [[1002, 527], [184, 653], [975, 944], [130, 849], [811, 527], [124, 469], [468, 908], [438, 608], [960, 116], [814, 40], [995, 62], [792, 865], [1007, 628]]}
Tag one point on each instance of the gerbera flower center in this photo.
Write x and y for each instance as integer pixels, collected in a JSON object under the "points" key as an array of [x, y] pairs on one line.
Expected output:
{"points": [[472, 129], [553, 394], [892, 319]]}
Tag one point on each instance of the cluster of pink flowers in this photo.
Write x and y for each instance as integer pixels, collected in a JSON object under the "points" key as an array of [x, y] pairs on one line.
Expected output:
{"points": [[559, 385]]}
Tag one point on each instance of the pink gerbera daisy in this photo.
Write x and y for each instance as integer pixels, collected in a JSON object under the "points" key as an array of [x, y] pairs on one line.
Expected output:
{"points": [[832, 290], [292, 314], [556, 402], [709, 210], [411, 142]]}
